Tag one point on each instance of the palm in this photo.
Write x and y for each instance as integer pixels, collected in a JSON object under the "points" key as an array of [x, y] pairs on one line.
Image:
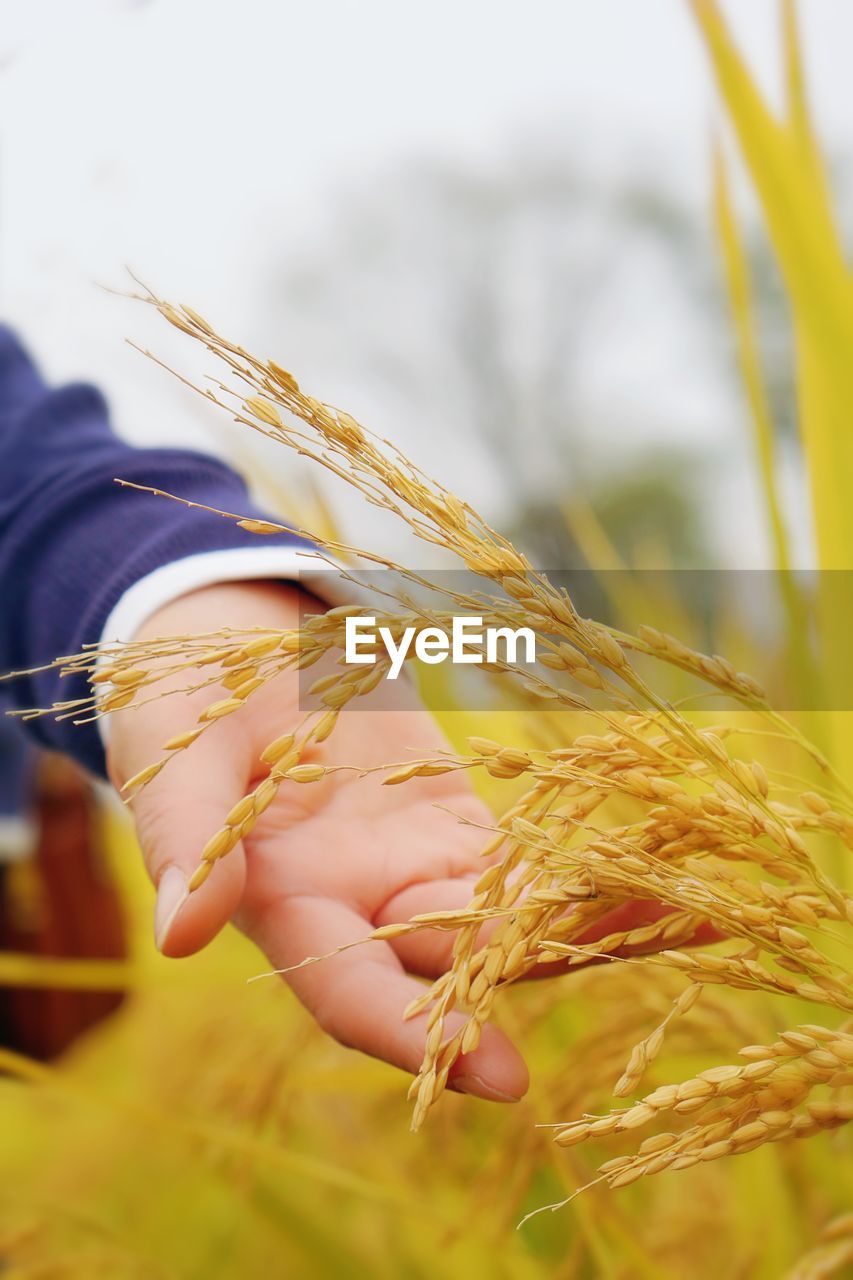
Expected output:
{"points": [[353, 840]]}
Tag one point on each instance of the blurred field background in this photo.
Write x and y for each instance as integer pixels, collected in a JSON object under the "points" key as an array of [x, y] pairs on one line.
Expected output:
{"points": [[509, 260]]}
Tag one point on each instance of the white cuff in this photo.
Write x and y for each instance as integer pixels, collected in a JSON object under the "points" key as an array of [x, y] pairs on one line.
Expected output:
{"points": [[161, 586]]}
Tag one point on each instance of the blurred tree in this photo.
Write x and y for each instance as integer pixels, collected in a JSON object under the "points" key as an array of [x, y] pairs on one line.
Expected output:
{"points": [[480, 297]]}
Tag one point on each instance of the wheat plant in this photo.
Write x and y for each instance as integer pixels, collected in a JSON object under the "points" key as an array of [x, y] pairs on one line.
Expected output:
{"points": [[736, 828], [722, 844]]}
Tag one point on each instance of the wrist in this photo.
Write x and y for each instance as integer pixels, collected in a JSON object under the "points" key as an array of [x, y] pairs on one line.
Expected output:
{"points": [[234, 605]]}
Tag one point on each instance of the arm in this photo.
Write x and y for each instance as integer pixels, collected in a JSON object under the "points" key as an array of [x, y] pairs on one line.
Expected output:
{"points": [[80, 558]]}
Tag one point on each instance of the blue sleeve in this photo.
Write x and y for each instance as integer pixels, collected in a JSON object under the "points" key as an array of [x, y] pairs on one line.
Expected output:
{"points": [[72, 541]]}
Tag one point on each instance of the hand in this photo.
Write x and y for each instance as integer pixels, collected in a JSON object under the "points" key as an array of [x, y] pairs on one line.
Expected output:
{"points": [[327, 862]]}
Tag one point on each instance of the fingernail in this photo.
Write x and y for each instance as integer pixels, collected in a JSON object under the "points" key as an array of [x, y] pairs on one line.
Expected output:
{"points": [[480, 1088], [171, 896]]}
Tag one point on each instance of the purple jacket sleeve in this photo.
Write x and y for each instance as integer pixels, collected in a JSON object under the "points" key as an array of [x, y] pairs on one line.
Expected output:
{"points": [[72, 541]]}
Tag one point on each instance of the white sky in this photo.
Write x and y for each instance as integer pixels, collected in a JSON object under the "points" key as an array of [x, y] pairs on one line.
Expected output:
{"points": [[202, 141]]}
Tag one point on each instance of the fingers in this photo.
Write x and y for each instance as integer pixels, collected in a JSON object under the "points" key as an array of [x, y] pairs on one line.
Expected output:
{"points": [[634, 915], [428, 952], [359, 996], [630, 915], [176, 814]]}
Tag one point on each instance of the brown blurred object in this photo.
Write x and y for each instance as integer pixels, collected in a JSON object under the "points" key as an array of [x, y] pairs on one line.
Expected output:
{"points": [[60, 903]]}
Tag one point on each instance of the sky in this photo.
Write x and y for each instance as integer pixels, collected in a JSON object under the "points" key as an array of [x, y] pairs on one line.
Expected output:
{"points": [[205, 143]]}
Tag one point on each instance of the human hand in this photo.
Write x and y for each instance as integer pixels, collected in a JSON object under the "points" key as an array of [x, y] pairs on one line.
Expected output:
{"points": [[326, 863]]}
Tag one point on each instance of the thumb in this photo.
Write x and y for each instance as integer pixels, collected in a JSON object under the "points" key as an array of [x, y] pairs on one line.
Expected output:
{"points": [[175, 815]]}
